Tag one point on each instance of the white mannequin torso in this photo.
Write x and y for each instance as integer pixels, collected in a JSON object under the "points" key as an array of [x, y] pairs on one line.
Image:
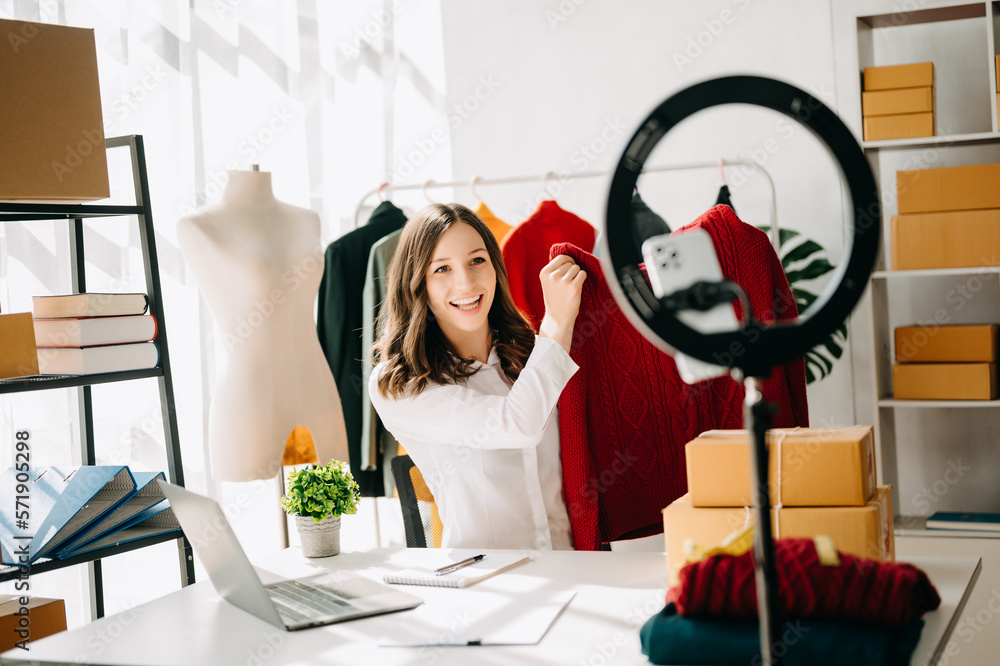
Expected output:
{"points": [[259, 264]]}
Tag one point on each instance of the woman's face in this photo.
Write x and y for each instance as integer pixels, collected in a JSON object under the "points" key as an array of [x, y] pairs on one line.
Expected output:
{"points": [[461, 282]]}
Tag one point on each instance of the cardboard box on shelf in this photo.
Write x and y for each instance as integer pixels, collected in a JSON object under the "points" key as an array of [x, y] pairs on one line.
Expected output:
{"points": [[45, 617], [900, 126], [866, 531], [914, 75], [944, 381], [50, 101], [18, 355], [975, 343], [893, 102], [996, 69], [970, 187], [818, 467], [956, 239]]}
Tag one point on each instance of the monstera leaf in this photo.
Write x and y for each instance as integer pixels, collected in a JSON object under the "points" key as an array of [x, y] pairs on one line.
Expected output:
{"points": [[805, 260]]}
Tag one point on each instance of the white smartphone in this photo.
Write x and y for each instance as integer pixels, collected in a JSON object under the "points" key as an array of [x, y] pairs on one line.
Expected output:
{"points": [[677, 262]]}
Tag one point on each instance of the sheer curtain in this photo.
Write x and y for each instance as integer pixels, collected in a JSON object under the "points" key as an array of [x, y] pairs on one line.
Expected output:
{"points": [[304, 89]]}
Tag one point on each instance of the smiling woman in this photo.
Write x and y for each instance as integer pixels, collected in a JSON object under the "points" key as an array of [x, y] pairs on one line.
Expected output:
{"points": [[466, 386]]}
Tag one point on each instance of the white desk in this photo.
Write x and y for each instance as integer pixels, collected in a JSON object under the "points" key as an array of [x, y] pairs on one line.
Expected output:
{"points": [[616, 593]]}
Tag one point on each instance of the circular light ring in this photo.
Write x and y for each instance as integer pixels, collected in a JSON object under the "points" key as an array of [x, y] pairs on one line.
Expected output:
{"points": [[756, 348]]}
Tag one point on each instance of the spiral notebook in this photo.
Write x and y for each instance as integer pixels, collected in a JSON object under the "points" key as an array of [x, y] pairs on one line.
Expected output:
{"points": [[489, 566]]}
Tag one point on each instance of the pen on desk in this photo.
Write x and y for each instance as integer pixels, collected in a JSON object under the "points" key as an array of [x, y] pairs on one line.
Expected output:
{"points": [[455, 566]]}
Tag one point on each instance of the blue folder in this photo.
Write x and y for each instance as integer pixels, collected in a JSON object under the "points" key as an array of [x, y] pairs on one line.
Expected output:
{"points": [[147, 494], [157, 519], [61, 502]]}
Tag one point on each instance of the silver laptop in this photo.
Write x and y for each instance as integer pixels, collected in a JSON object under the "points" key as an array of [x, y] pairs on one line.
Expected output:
{"points": [[292, 604]]}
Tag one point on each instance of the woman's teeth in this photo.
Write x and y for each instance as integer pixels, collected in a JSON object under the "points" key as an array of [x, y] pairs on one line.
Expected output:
{"points": [[467, 304]]}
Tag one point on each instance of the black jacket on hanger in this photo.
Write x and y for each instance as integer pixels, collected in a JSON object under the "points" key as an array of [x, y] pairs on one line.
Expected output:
{"points": [[645, 223], [724, 197], [340, 321]]}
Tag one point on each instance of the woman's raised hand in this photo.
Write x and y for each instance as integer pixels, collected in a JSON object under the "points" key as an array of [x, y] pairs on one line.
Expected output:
{"points": [[562, 285]]}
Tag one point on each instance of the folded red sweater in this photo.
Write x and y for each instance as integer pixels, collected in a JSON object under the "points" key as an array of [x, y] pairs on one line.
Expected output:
{"points": [[626, 415], [859, 589]]}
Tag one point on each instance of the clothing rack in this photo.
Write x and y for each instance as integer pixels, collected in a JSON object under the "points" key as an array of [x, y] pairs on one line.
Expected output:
{"points": [[551, 175]]}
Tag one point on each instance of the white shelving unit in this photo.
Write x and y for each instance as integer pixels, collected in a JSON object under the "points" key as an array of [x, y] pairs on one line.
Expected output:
{"points": [[918, 439]]}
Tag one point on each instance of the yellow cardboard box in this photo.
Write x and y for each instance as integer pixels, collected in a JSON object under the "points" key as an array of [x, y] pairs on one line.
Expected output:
{"points": [[947, 344], [52, 131], [956, 239], [865, 531], [900, 126], [892, 102], [948, 188], [944, 381], [914, 75], [18, 356], [44, 617], [818, 467]]}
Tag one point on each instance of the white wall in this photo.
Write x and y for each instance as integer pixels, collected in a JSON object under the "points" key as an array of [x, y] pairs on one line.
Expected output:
{"points": [[570, 81]]}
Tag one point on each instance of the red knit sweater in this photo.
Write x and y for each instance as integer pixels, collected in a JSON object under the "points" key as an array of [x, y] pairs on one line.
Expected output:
{"points": [[857, 589], [625, 416], [525, 251]]}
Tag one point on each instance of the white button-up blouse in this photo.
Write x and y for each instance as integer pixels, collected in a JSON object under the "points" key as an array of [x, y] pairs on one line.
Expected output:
{"points": [[489, 451]]}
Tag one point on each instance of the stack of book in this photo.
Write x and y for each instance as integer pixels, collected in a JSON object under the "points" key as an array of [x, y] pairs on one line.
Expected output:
{"points": [[898, 101], [75, 510], [86, 334]]}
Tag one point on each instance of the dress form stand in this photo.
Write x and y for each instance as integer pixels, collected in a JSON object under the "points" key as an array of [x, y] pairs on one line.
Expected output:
{"points": [[259, 264]]}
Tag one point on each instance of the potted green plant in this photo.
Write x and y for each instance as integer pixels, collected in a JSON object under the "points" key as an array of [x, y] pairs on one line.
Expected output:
{"points": [[318, 495]]}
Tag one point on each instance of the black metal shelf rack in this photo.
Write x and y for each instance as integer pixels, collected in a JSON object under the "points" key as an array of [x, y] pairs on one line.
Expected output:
{"points": [[10, 212]]}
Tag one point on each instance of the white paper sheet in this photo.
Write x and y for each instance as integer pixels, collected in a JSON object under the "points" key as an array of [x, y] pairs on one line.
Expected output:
{"points": [[480, 618]]}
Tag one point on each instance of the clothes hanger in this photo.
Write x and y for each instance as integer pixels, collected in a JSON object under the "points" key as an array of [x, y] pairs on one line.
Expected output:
{"points": [[472, 188], [427, 196]]}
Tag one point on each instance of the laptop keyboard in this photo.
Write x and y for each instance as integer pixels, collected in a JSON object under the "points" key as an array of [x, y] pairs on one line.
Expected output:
{"points": [[297, 602]]}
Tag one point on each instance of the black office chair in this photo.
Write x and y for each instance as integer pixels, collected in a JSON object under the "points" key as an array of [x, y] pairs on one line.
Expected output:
{"points": [[421, 521]]}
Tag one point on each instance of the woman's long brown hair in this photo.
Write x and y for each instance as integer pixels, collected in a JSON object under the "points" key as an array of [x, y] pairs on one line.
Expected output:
{"points": [[411, 343]]}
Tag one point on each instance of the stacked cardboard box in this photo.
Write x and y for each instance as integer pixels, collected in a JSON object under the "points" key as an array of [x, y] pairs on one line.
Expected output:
{"points": [[898, 101], [824, 479], [948, 218], [946, 362], [28, 619]]}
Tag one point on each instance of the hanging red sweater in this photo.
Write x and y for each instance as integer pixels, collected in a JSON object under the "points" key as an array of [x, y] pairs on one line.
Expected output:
{"points": [[525, 251], [626, 415]]}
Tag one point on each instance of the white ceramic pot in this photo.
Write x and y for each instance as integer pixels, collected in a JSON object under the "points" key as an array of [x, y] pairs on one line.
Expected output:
{"points": [[320, 539]]}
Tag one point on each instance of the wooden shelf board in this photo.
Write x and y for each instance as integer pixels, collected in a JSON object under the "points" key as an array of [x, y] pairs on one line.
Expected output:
{"points": [[935, 272], [900, 144], [889, 402], [930, 15]]}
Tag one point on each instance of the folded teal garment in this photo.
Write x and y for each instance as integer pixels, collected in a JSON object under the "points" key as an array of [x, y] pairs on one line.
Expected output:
{"points": [[668, 638]]}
